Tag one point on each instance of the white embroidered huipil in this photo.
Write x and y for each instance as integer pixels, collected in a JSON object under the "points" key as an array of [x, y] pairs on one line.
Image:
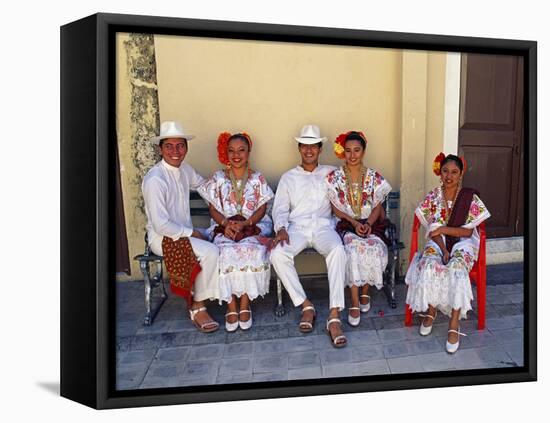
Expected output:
{"points": [[302, 206], [166, 194], [429, 281], [244, 265], [367, 257]]}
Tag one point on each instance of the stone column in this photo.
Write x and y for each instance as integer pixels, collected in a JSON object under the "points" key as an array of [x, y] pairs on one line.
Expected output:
{"points": [[137, 120]]}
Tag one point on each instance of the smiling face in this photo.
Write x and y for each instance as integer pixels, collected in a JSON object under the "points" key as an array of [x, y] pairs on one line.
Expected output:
{"points": [[450, 174], [173, 150], [310, 154], [353, 153], [237, 153]]}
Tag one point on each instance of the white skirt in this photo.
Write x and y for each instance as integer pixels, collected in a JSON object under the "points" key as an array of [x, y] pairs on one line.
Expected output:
{"points": [[367, 259], [445, 287], [244, 268]]}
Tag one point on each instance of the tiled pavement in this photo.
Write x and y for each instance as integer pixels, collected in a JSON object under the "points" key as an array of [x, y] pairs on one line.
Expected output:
{"points": [[172, 352]]}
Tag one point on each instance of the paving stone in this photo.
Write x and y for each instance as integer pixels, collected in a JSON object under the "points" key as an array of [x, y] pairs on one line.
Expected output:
{"points": [[500, 323], [126, 329], [272, 363], [340, 370], [305, 373], [397, 349], [389, 322], [373, 367], [270, 347], [178, 325], [508, 335], [336, 356], [138, 357], [497, 299], [426, 347], [300, 344], [465, 359], [480, 339], [507, 309], [194, 369], [206, 352], [515, 351], [151, 382], [272, 332], [518, 321], [239, 349], [236, 366], [146, 341], [242, 336], [199, 338], [298, 360], [158, 326], [410, 364], [366, 353], [177, 354], [130, 376], [361, 337], [123, 344], [436, 361], [226, 379], [270, 377], [167, 370], [392, 335], [177, 339], [495, 356]]}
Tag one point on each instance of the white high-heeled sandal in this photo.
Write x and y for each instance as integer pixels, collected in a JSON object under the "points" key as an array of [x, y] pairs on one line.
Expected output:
{"points": [[354, 321], [231, 327], [452, 348], [245, 325], [426, 330], [364, 307]]}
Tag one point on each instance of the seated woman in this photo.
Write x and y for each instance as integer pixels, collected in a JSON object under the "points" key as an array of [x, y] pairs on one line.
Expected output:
{"points": [[439, 277], [357, 193], [237, 199]]}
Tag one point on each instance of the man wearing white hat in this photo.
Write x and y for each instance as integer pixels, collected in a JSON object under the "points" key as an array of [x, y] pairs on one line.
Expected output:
{"points": [[192, 262], [302, 217]]}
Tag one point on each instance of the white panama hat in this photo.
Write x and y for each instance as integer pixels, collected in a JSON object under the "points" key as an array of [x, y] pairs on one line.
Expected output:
{"points": [[310, 134], [171, 129]]}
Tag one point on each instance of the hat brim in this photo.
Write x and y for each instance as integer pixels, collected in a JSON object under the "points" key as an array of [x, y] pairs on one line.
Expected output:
{"points": [[156, 140], [310, 141]]}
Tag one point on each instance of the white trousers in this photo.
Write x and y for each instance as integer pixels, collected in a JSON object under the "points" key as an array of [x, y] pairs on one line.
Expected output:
{"points": [[328, 243], [206, 285]]}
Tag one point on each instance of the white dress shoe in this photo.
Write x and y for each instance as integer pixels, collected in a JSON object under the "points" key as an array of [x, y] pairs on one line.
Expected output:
{"points": [[354, 321], [426, 330], [364, 307], [452, 348], [231, 327], [246, 325]]}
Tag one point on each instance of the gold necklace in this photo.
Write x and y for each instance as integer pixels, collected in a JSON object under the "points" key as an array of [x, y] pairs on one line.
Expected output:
{"points": [[448, 209], [238, 186], [355, 191]]}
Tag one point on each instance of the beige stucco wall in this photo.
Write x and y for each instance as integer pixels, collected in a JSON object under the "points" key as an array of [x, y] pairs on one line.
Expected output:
{"points": [[271, 89]]}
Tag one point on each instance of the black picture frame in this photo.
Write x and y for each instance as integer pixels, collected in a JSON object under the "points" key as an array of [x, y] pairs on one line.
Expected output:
{"points": [[87, 214]]}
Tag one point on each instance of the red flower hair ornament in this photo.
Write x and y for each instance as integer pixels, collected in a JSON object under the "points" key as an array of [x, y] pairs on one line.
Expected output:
{"points": [[436, 166], [340, 143], [223, 143]]}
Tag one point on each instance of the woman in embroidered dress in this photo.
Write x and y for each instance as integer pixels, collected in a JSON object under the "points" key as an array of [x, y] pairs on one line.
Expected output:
{"points": [[438, 279], [357, 193], [237, 199]]}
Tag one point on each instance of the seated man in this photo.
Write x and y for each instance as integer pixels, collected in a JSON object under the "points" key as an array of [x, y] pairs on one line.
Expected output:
{"points": [[302, 218], [187, 255]]}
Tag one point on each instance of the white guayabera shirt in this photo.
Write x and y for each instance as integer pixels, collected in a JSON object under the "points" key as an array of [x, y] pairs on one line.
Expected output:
{"points": [[301, 200], [166, 194]]}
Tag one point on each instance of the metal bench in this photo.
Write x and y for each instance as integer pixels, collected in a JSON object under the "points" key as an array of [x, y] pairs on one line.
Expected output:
{"points": [[155, 282]]}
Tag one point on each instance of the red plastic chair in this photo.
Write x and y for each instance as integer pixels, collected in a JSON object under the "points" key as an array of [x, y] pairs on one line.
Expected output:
{"points": [[477, 274]]}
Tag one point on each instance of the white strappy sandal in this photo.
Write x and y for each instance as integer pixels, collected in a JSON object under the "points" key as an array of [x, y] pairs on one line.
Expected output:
{"points": [[364, 307], [306, 327], [354, 321], [335, 340], [231, 327], [204, 327], [452, 348], [426, 330], [248, 324]]}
